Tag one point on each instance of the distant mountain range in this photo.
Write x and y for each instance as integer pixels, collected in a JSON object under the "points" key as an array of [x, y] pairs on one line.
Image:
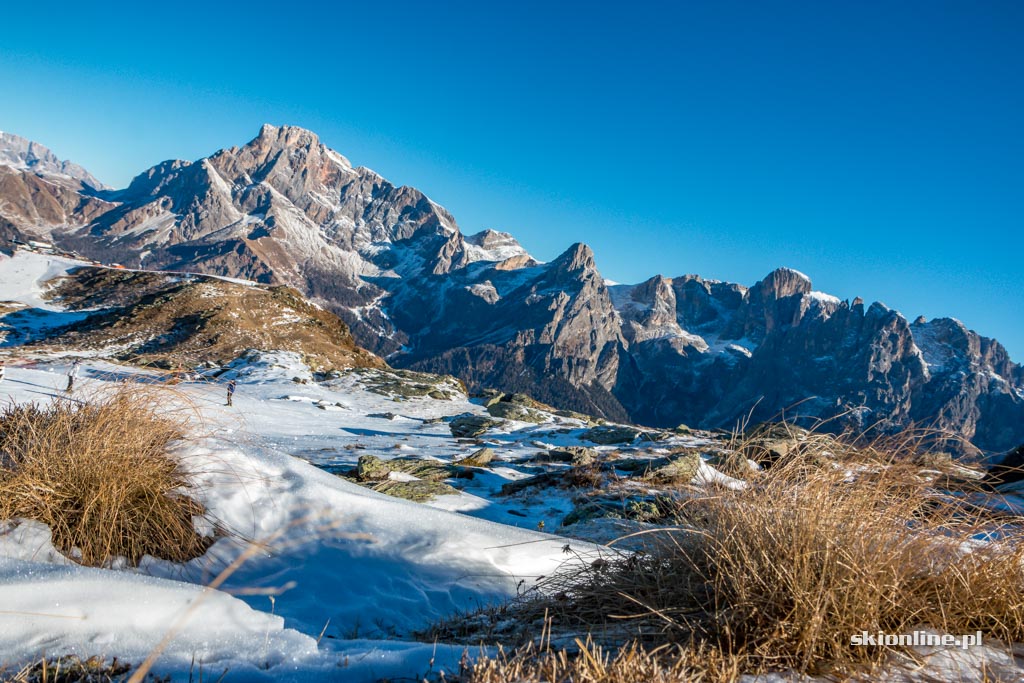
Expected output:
{"points": [[285, 209]]}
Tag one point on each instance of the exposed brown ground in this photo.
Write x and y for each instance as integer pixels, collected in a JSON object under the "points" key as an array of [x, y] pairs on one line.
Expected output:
{"points": [[170, 321]]}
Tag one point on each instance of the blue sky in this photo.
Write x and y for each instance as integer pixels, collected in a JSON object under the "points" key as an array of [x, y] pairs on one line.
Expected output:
{"points": [[876, 146]]}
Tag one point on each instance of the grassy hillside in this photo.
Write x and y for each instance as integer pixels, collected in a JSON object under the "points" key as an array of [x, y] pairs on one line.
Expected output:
{"points": [[170, 321]]}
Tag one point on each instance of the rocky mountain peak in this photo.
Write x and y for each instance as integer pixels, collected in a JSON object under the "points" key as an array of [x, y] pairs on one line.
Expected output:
{"points": [[285, 136], [579, 257], [783, 282], [879, 310], [152, 179], [23, 154], [944, 338], [493, 245], [491, 239], [289, 156]]}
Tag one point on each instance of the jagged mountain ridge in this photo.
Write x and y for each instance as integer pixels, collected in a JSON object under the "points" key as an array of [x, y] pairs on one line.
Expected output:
{"points": [[39, 191], [22, 154], [285, 209]]}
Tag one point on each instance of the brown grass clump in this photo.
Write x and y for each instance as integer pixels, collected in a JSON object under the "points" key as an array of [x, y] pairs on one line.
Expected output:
{"points": [[589, 663], [817, 549], [70, 669], [99, 474]]}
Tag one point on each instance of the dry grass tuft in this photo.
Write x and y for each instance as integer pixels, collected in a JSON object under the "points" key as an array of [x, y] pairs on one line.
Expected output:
{"points": [[71, 669], [589, 663], [99, 474], [819, 547]]}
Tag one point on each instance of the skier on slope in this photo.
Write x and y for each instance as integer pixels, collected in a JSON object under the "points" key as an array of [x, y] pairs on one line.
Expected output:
{"points": [[72, 374], [231, 391]]}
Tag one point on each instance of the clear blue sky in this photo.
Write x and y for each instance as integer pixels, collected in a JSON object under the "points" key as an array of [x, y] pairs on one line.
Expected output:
{"points": [[876, 146]]}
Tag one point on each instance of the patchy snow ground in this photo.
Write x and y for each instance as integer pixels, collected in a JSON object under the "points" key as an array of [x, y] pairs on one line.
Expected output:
{"points": [[344, 576], [352, 564]]}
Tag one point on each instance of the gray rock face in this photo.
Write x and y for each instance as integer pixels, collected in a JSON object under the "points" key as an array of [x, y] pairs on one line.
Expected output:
{"points": [[480, 458], [577, 456], [31, 205], [285, 209], [471, 426], [22, 154], [779, 349]]}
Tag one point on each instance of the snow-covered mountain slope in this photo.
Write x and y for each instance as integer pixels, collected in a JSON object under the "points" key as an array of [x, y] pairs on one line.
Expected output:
{"points": [[25, 155], [286, 209], [713, 353], [341, 578], [358, 570], [369, 564]]}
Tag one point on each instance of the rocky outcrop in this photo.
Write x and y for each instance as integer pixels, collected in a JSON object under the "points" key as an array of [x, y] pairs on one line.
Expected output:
{"points": [[780, 349], [32, 205], [171, 322], [18, 153]]}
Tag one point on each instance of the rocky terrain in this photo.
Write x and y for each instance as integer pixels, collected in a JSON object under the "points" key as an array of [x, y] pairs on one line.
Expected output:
{"points": [[286, 210], [178, 322]]}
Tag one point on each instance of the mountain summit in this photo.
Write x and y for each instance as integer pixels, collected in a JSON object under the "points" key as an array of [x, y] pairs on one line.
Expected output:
{"points": [[286, 209], [22, 154]]}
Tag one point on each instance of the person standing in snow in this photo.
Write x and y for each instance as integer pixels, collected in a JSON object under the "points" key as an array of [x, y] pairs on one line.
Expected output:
{"points": [[231, 391], [3, 369], [72, 374]]}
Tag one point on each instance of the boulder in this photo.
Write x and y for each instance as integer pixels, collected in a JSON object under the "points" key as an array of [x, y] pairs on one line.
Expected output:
{"points": [[480, 458], [577, 456], [515, 411], [418, 491], [681, 470], [372, 468], [471, 426], [614, 434]]}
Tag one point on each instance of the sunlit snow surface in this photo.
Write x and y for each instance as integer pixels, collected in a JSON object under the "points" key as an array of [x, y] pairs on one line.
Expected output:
{"points": [[346, 576], [372, 565]]}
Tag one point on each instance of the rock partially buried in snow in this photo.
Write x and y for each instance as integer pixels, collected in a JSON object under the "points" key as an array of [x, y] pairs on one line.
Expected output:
{"points": [[415, 479], [470, 426], [372, 468], [578, 456], [513, 411], [480, 458], [682, 470], [406, 384], [617, 434], [417, 490]]}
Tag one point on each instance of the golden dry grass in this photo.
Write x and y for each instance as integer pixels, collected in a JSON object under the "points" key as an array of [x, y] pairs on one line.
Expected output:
{"points": [[589, 663], [69, 669], [99, 475], [166, 322], [833, 541]]}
